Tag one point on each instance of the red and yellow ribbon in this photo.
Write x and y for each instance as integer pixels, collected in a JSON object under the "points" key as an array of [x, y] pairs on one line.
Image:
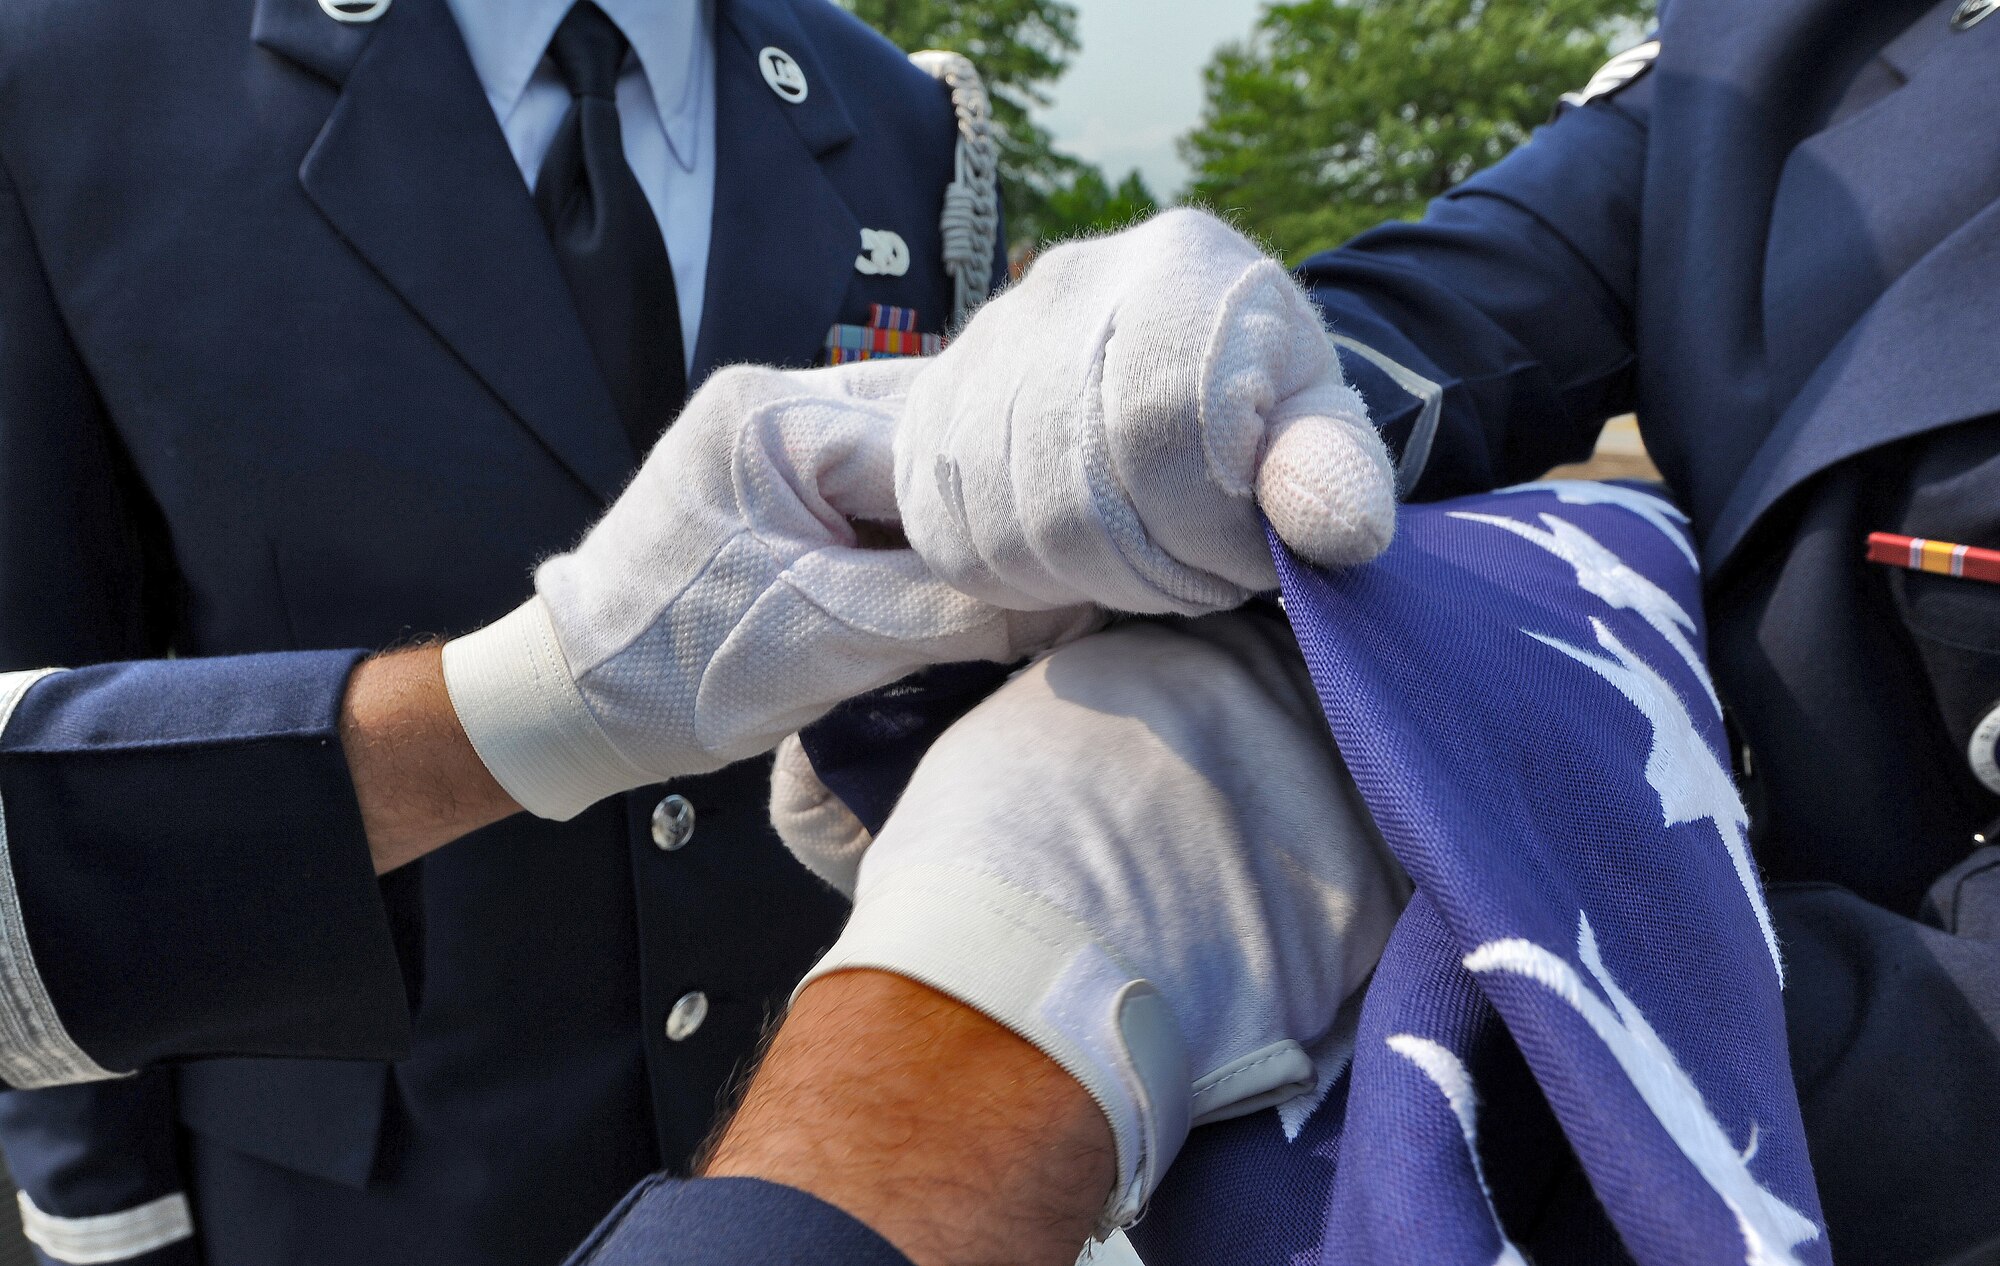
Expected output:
{"points": [[1939, 558]]}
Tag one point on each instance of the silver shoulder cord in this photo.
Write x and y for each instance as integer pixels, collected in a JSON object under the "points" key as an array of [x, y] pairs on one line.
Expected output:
{"points": [[971, 219]]}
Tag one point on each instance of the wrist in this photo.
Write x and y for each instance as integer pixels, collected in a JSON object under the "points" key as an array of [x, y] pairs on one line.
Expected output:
{"points": [[948, 1135], [1043, 975], [417, 779]]}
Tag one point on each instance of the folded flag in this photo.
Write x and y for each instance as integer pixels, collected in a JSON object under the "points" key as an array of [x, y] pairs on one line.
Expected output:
{"points": [[1573, 1049], [891, 331]]}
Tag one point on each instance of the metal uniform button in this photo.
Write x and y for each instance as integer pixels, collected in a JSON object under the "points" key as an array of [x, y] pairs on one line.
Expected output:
{"points": [[687, 1016], [673, 824]]}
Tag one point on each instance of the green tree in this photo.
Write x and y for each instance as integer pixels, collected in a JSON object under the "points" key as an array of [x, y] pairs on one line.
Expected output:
{"points": [[1089, 203], [1021, 47], [1339, 114]]}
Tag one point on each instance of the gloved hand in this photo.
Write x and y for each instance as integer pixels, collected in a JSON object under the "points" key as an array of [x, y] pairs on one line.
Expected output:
{"points": [[1145, 857], [722, 602], [1106, 429]]}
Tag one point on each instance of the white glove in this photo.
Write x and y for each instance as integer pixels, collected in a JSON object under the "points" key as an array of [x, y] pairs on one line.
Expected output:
{"points": [[1106, 429], [1145, 857], [722, 602]]}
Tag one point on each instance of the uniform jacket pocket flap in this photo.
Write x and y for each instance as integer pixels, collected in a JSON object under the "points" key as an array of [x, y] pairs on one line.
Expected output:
{"points": [[1950, 609], [316, 1116]]}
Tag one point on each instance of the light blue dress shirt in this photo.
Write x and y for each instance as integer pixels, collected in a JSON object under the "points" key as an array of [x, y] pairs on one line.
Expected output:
{"points": [[666, 110]]}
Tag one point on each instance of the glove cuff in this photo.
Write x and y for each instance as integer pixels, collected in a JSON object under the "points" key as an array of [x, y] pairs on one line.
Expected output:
{"points": [[512, 689], [1039, 972]]}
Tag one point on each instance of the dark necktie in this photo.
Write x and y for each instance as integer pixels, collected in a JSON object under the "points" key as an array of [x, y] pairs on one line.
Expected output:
{"points": [[606, 237]]}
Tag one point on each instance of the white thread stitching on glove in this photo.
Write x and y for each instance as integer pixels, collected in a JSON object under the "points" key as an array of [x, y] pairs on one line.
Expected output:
{"points": [[723, 601], [1157, 805], [1155, 386]]}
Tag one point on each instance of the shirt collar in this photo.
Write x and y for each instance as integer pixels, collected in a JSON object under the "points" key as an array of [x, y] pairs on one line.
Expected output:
{"points": [[672, 38]]}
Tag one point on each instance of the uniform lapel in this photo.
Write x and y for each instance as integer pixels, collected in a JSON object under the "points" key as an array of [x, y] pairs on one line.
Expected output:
{"points": [[1884, 260], [412, 170], [300, 30], [782, 253], [1861, 202]]}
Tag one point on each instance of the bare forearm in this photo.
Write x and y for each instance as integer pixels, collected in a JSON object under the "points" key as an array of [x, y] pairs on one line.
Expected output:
{"points": [[954, 1139], [420, 783]]}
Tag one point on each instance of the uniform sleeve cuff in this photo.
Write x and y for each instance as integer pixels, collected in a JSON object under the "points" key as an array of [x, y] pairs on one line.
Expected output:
{"points": [[512, 689], [1030, 967], [191, 866], [36, 1049], [731, 1222], [109, 1237]]}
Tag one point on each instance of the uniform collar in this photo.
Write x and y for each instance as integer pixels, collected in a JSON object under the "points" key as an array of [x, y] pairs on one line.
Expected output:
{"points": [[672, 39]]}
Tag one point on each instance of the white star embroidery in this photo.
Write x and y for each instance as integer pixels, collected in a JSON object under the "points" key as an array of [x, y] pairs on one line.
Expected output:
{"points": [[1770, 1227], [1448, 1073], [1658, 511], [1691, 783], [1603, 574]]}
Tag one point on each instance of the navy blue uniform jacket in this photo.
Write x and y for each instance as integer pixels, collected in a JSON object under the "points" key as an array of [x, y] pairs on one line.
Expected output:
{"points": [[287, 363], [1781, 247]]}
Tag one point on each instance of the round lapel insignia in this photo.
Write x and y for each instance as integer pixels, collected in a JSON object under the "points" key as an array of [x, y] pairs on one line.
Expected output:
{"points": [[354, 10], [1971, 13], [1984, 750], [781, 72]]}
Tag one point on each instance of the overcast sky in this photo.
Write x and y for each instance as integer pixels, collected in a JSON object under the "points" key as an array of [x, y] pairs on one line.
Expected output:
{"points": [[1136, 85]]}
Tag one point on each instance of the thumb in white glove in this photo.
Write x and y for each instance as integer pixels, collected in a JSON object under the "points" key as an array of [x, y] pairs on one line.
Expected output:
{"points": [[1145, 857], [815, 824], [723, 601], [1106, 430]]}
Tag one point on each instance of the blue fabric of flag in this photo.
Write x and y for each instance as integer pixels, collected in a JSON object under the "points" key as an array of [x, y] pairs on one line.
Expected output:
{"points": [[1573, 1049]]}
